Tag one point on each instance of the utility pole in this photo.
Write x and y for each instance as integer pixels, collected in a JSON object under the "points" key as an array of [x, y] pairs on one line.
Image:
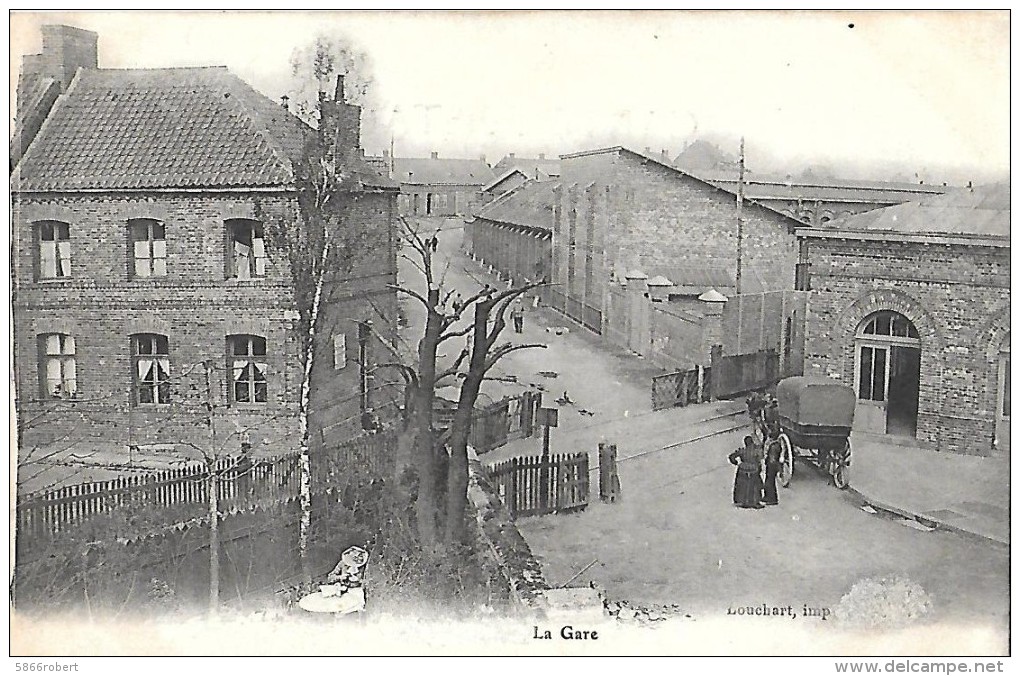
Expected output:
{"points": [[214, 506], [740, 217], [391, 153]]}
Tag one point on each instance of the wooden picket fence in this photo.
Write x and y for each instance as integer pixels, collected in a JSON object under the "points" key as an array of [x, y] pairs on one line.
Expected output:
{"points": [[268, 481], [536, 485]]}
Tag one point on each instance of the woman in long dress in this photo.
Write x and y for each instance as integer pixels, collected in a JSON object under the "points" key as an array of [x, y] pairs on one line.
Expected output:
{"points": [[747, 485]]}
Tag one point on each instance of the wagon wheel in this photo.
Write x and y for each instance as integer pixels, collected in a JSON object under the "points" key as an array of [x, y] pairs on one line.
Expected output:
{"points": [[840, 468], [786, 461]]}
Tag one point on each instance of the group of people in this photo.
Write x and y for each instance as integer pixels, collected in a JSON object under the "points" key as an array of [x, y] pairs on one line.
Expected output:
{"points": [[750, 491]]}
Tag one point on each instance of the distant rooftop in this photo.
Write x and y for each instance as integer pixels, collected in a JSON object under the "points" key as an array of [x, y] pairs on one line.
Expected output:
{"points": [[981, 212], [530, 205], [441, 171], [533, 167]]}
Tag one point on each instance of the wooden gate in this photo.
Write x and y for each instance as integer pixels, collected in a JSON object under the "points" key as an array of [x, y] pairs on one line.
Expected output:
{"points": [[737, 374], [692, 386], [532, 486]]}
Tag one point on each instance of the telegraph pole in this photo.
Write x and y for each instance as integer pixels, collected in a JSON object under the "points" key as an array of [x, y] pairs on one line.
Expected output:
{"points": [[740, 217], [214, 507]]}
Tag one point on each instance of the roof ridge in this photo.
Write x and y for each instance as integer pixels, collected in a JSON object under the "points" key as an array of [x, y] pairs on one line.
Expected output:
{"points": [[264, 135]]}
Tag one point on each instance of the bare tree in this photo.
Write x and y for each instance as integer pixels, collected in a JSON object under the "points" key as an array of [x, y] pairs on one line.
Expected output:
{"points": [[477, 321]]}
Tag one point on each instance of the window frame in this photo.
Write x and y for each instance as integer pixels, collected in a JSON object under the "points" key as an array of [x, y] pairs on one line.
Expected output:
{"points": [[250, 364], [150, 240], [255, 231], [159, 387], [61, 256], [62, 358]]}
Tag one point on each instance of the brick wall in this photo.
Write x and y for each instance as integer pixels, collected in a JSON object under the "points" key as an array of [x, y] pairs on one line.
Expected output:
{"points": [[956, 296], [632, 214], [196, 306]]}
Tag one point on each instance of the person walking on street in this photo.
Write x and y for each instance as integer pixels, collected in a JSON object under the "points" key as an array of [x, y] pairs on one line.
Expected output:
{"points": [[517, 313], [747, 484]]}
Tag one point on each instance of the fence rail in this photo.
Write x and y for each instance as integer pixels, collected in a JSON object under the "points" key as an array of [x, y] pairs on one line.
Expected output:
{"points": [[531, 486], [266, 481]]}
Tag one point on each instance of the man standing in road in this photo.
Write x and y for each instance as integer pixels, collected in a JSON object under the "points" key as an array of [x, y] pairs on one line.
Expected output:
{"points": [[517, 313]]}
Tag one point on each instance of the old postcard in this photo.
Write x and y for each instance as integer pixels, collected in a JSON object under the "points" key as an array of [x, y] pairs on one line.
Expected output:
{"points": [[511, 333]]}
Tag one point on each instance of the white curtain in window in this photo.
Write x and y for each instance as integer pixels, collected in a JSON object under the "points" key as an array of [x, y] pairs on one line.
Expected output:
{"points": [[48, 259], [259, 251], [159, 258], [70, 377], [64, 249], [242, 253], [53, 377], [142, 259]]}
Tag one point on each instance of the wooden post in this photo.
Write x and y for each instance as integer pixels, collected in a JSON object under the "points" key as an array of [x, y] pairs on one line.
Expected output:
{"points": [[609, 479]]}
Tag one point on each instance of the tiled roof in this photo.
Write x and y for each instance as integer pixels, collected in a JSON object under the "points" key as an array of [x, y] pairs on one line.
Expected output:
{"points": [[441, 171], [760, 187], [530, 205], [162, 128], [979, 212]]}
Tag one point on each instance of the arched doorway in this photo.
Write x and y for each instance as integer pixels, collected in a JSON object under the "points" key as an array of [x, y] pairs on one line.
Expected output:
{"points": [[888, 374], [1002, 404]]}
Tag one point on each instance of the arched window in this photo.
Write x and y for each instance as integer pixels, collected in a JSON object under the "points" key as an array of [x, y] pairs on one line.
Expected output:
{"points": [[57, 367], [246, 249], [150, 353], [53, 249], [247, 366], [877, 335]]}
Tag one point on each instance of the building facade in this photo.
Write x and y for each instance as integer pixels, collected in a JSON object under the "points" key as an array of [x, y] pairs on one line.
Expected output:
{"points": [[436, 186], [616, 212], [910, 306], [154, 307], [513, 234]]}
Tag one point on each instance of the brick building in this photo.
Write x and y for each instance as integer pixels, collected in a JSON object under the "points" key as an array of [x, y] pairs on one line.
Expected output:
{"points": [[436, 186], [617, 212], [910, 306], [513, 234], [145, 286]]}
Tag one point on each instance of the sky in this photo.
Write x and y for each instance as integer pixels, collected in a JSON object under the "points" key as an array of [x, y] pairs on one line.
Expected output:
{"points": [[859, 94]]}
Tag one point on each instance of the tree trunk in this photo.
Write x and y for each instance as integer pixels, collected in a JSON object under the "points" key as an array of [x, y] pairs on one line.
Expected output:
{"points": [[214, 538], [303, 408], [457, 476], [421, 421]]}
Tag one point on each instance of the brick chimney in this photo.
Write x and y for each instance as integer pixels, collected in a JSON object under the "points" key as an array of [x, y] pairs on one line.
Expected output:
{"points": [[65, 49], [46, 75], [340, 123]]}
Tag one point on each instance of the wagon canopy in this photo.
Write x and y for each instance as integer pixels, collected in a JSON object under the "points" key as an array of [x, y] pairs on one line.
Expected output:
{"points": [[816, 401]]}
